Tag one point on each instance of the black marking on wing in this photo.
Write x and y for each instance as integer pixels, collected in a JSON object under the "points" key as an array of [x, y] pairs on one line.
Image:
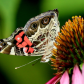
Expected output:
{"points": [[2, 44]]}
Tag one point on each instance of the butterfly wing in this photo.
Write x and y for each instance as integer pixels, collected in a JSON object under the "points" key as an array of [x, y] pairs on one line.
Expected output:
{"points": [[35, 39], [42, 31], [17, 44]]}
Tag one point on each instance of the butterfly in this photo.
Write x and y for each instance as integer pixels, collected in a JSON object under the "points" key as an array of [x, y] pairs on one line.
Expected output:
{"points": [[35, 38]]}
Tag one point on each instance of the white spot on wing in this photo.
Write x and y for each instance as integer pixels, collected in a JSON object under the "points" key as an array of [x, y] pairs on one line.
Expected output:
{"points": [[0, 46], [9, 43], [18, 38], [12, 51]]}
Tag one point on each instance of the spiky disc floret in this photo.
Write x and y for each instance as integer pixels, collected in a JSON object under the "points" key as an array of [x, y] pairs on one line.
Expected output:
{"points": [[70, 45]]}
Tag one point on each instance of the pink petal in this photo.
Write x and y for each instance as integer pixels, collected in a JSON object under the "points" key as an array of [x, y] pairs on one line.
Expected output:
{"points": [[83, 72], [53, 80], [77, 76], [65, 78]]}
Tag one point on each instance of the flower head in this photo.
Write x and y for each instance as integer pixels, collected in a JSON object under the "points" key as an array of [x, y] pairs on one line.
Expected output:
{"points": [[69, 52], [70, 45]]}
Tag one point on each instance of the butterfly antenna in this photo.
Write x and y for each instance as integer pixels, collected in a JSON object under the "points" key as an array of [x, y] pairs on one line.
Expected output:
{"points": [[27, 63], [35, 62]]}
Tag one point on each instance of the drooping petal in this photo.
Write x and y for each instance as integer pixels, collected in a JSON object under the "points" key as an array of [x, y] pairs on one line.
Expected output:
{"points": [[53, 80], [83, 72], [65, 78], [77, 76]]}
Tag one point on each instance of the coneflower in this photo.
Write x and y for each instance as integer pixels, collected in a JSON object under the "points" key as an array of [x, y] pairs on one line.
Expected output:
{"points": [[69, 50]]}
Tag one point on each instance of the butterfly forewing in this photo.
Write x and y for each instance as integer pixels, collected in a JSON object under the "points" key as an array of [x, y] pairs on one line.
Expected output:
{"points": [[35, 39]]}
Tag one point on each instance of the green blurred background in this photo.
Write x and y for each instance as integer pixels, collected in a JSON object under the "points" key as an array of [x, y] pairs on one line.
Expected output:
{"points": [[15, 13]]}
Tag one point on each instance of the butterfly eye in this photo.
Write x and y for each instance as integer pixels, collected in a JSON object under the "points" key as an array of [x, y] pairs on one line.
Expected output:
{"points": [[45, 20], [33, 26]]}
